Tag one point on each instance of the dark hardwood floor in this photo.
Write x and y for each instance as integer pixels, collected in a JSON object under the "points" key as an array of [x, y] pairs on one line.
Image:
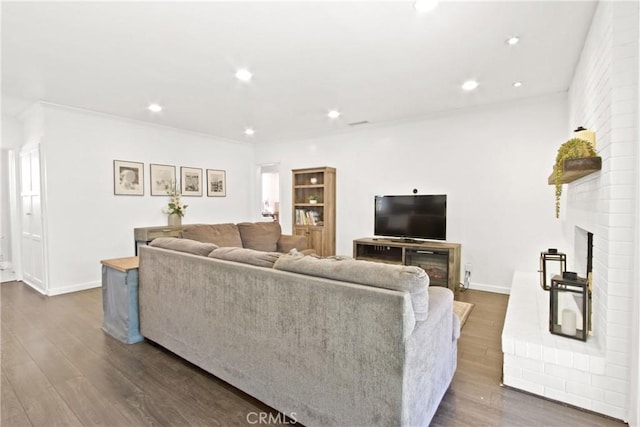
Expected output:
{"points": [[60, 369]]}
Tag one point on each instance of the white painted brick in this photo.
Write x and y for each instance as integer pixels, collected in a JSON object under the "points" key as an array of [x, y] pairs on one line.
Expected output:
{"points": [[565, 358], [585, 390], [622, 163], [618, 276], [624, 120], [618, 321], [607, 383], [562, 396], [521, 384], [624, 51], [524, 363], [617, 358], [613, 398], [623, 75], [620, 289], [521, 348], [581, 362], [534, 351], [623, 106], [508, 345], [622, 93], [617, 344], [608, 409], [619, 192], [545, 380], [615, 371], [596, 365], [569, 374], [549, 355], [623, 139], [512, 372]]}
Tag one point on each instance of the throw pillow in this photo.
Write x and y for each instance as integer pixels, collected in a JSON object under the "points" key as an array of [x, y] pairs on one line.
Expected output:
{"points": [[261, 236], [398, 277], [183, 245], [219, 234], [247, 256]]}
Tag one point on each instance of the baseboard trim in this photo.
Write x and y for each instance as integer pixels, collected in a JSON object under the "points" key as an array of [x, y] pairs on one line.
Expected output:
{"points": [[489, 288], [74, 288]]}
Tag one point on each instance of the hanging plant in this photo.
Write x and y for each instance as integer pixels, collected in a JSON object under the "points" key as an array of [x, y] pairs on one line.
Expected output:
{"points": [[574, 148]]}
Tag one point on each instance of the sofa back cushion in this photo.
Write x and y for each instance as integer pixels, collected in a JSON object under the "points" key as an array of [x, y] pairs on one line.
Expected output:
{"points": [[397, 277], [261, 236], [184, 245], [219, 234], [247, 256]]}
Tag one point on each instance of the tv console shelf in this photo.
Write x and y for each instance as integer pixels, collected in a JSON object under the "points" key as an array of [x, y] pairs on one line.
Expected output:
{"points": [[441, 260]]}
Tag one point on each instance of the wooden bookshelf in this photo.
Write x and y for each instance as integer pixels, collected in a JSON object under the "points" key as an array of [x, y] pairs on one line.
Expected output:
{"points": [[315, 220]]}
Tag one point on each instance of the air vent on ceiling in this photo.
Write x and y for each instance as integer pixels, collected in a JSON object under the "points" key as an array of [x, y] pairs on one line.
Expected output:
{"points": [[363, 122]]}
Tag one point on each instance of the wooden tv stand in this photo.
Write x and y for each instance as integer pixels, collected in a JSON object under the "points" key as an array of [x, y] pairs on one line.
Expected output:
{"points": [[441, 260]]}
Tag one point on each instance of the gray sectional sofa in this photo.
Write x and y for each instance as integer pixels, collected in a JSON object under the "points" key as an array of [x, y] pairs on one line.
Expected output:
{"points": [[327, 342]]}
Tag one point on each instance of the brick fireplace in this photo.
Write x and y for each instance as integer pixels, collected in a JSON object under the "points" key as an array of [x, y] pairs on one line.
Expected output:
{"points": [[602, 374]]}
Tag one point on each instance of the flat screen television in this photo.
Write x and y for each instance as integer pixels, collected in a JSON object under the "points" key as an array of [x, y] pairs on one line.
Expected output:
{"points": [[411, 217]]}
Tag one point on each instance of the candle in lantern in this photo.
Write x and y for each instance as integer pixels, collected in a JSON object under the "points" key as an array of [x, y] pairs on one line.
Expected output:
{"points": [[568, 322]]}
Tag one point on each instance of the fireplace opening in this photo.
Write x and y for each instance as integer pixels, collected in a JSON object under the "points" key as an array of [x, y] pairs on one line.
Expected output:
{"points": [[583, 262]]}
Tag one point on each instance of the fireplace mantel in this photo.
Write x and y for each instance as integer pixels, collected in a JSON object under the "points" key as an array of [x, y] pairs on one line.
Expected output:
{"points": [[548, 365]]}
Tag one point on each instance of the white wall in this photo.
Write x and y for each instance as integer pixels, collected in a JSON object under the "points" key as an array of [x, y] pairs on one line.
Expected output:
{"points": [[86, 222], [604, 97], [492, 162]]}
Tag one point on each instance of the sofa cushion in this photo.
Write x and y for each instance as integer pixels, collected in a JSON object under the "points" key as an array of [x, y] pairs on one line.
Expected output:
{"points": [[398, 277], [247, 256], [261, 236], [183, 245], [220, 234]]}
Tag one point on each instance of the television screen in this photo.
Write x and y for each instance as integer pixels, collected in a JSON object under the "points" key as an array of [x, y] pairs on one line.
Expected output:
{"points": [[419, 216]]}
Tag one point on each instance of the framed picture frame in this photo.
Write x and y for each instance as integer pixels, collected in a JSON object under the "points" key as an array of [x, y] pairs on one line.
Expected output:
{"points": [[190, 181], [162, 177], [216, 183], [128, 178]]}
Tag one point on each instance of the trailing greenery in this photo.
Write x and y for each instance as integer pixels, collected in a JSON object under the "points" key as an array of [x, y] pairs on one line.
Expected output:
{"points": [[574, 148]]}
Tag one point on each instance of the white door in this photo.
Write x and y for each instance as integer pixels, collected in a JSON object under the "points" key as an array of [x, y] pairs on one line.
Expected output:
{"points": [[31, 219]]}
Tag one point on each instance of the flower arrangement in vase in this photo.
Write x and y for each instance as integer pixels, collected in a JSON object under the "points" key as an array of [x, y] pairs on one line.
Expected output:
{"points": [[174, 208]]}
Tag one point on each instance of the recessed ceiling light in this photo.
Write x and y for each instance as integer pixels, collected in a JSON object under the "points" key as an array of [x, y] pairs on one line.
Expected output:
{"points": [[249, 131], [512, 40], [243, 75], [424, 6], [517, 84], [334, 114], [470, 85], [155, 108]]}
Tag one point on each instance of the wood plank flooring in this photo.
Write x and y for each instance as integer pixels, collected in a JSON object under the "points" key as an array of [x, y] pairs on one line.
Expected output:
{"points": [[60, 369]]}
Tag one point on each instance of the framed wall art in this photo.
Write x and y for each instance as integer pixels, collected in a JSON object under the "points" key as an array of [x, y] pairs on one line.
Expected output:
{"points": [[216, 183], [128, 178], [191, 181], [163, 178]]}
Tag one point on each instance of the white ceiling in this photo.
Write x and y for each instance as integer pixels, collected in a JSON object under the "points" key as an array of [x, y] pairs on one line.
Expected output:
{"points": [[374, 61]]}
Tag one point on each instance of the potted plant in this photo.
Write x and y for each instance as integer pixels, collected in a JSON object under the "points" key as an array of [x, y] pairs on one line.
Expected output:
{"points": [[313, 199], [575, 148]]}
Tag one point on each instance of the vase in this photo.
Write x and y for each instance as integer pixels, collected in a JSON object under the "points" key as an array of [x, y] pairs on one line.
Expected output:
{"points": [[175, 220]]}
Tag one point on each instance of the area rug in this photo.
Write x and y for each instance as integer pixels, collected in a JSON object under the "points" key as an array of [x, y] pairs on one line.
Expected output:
{"points": [[462, 310]]}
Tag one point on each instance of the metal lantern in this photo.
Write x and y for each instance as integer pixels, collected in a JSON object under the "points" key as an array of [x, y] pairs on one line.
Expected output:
{"points": [[552, 262], [569, 308]]}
